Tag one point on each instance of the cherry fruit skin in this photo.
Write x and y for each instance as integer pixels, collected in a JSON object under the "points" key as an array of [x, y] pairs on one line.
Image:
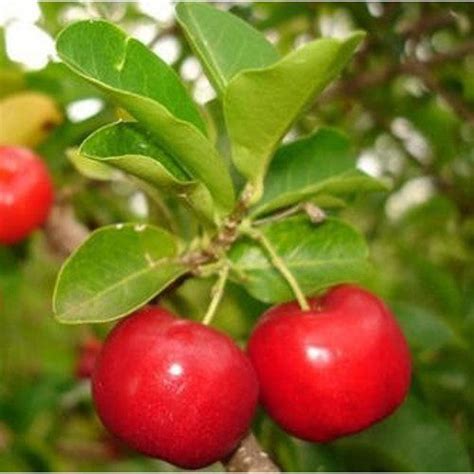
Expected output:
{"points": [[26, 193], [174, 389], [333, 370]]}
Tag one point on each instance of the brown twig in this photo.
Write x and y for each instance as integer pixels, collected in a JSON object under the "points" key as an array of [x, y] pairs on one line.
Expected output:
{"points": [[427, 22], [64, 233], [224, 238]]}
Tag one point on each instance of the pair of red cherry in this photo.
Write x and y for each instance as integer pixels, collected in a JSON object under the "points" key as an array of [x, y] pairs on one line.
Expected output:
{"points": [[185, 393]]}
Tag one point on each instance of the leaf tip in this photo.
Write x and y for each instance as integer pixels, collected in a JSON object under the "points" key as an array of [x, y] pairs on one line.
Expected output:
{"points": [[355, 38]]}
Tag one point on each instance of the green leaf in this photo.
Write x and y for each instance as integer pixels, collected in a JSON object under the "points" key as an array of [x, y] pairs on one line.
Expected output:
{"points": [[261, 105], [322, 163], [125, 145], [118, 269], [151, 91], [224, 43], [327, 201], [423, 329], [319, 256], [130, 148], [105, 54], [413, 439], [348, 183], [92, 169], [295, 455]]}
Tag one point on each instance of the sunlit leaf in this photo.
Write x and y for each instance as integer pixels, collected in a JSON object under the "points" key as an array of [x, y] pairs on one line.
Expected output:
{"points": [[261, 105], [115, 271], [130, 148], [223, 42], [319, 256], [322, 163], [152, 93]]}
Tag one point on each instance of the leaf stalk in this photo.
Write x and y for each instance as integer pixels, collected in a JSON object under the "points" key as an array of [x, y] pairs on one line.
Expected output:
{"points": [[280, 265]]}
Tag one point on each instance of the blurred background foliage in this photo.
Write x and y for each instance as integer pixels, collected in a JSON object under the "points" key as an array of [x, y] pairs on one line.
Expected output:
{"points": [[407, 104]]}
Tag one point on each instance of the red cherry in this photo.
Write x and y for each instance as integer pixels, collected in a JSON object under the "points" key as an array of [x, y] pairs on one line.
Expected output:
{"points": [[333, 370], [174, 389], [26, 193], [88, 352]]}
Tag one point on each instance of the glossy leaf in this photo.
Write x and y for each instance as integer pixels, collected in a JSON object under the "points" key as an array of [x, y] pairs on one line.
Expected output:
{"points": [[118, 269], [128, 139], [223, 42], [319, 256], [328, 201], [348, 183], [105, 53], [130, 148], [261, 105], [152, 93], [322, 163], [413, 439], [92, 169]]}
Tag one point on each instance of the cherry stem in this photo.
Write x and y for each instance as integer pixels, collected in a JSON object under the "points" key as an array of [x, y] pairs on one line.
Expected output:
{"points": [[280, 265], [217, 293]]}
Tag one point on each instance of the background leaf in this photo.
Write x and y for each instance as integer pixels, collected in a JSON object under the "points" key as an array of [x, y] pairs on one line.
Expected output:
{"points": [[275, 96], [423, 329], [149, 89], [319, 256], [223, 42], [413, 439], [322, 163], [118, 269], [295, 455]]}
